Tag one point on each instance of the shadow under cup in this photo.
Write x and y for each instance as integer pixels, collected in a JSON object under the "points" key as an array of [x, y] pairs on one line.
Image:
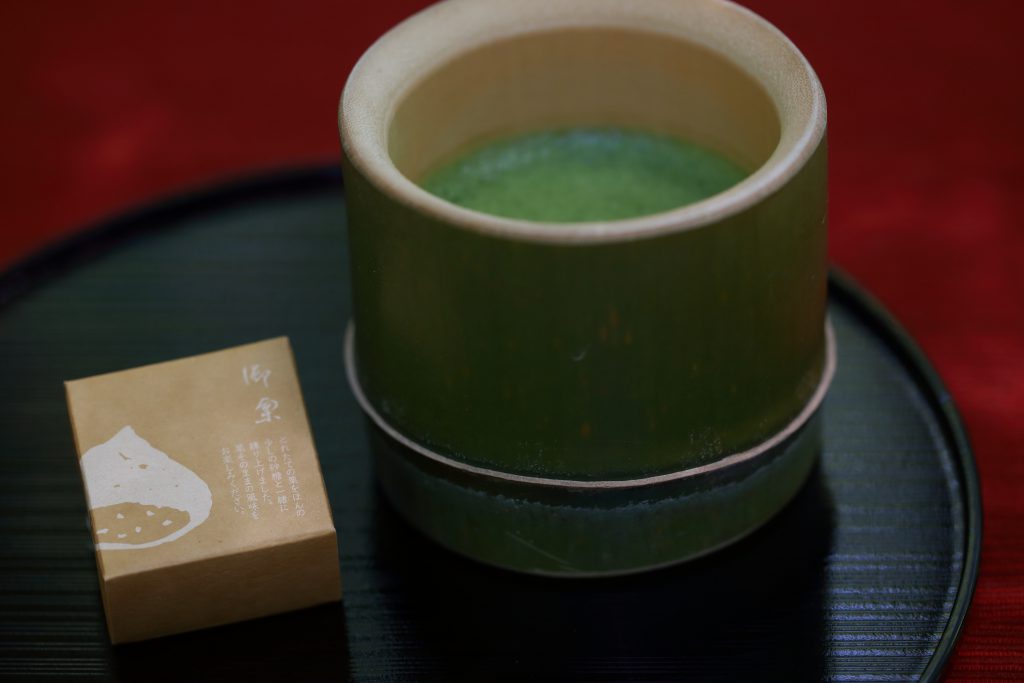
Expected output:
{"points": [[601, 397]]}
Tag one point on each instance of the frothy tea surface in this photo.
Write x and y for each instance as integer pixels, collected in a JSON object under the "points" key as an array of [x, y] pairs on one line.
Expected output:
{"points": [[583, 174]]}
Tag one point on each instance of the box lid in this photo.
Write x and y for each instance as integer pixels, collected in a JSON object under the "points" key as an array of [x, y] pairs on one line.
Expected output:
{"points": [[196, 459]]}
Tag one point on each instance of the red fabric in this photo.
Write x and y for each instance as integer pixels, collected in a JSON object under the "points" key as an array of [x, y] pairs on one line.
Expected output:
{"points": [[112, 104]]}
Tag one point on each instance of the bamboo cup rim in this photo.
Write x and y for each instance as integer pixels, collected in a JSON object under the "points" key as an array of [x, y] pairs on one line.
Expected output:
{"points": [[414, 49]]}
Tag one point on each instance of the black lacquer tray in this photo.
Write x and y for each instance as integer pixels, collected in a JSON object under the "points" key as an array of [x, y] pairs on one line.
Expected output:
{"points": [[867, 575]]}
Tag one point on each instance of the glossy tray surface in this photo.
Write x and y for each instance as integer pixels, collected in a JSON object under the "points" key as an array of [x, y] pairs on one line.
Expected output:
{"points": [[867, 575]]}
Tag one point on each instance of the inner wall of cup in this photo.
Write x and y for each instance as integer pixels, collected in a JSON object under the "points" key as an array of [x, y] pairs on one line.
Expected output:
{"points": [[582, 77]]}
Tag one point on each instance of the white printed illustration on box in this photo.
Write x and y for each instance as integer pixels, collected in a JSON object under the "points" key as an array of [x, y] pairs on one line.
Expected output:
{"points": [[139, 496]]}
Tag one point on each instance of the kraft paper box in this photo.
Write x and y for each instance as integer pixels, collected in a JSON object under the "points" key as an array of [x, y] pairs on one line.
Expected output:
{"points": [[204, 491]]}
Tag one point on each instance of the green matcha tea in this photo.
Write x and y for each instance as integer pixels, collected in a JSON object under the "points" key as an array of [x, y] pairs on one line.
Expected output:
{"points": [[583, 174]]}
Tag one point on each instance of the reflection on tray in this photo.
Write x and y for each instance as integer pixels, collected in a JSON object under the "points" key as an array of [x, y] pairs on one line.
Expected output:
{"points": [[750, 611]]}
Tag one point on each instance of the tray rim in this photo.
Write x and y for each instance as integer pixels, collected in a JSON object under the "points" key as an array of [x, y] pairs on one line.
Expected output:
{"points": [[97, 237], [940, 400]]}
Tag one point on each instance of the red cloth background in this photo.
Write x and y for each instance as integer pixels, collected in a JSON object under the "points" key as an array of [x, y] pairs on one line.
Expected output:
{"points": [[107, 105]]}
